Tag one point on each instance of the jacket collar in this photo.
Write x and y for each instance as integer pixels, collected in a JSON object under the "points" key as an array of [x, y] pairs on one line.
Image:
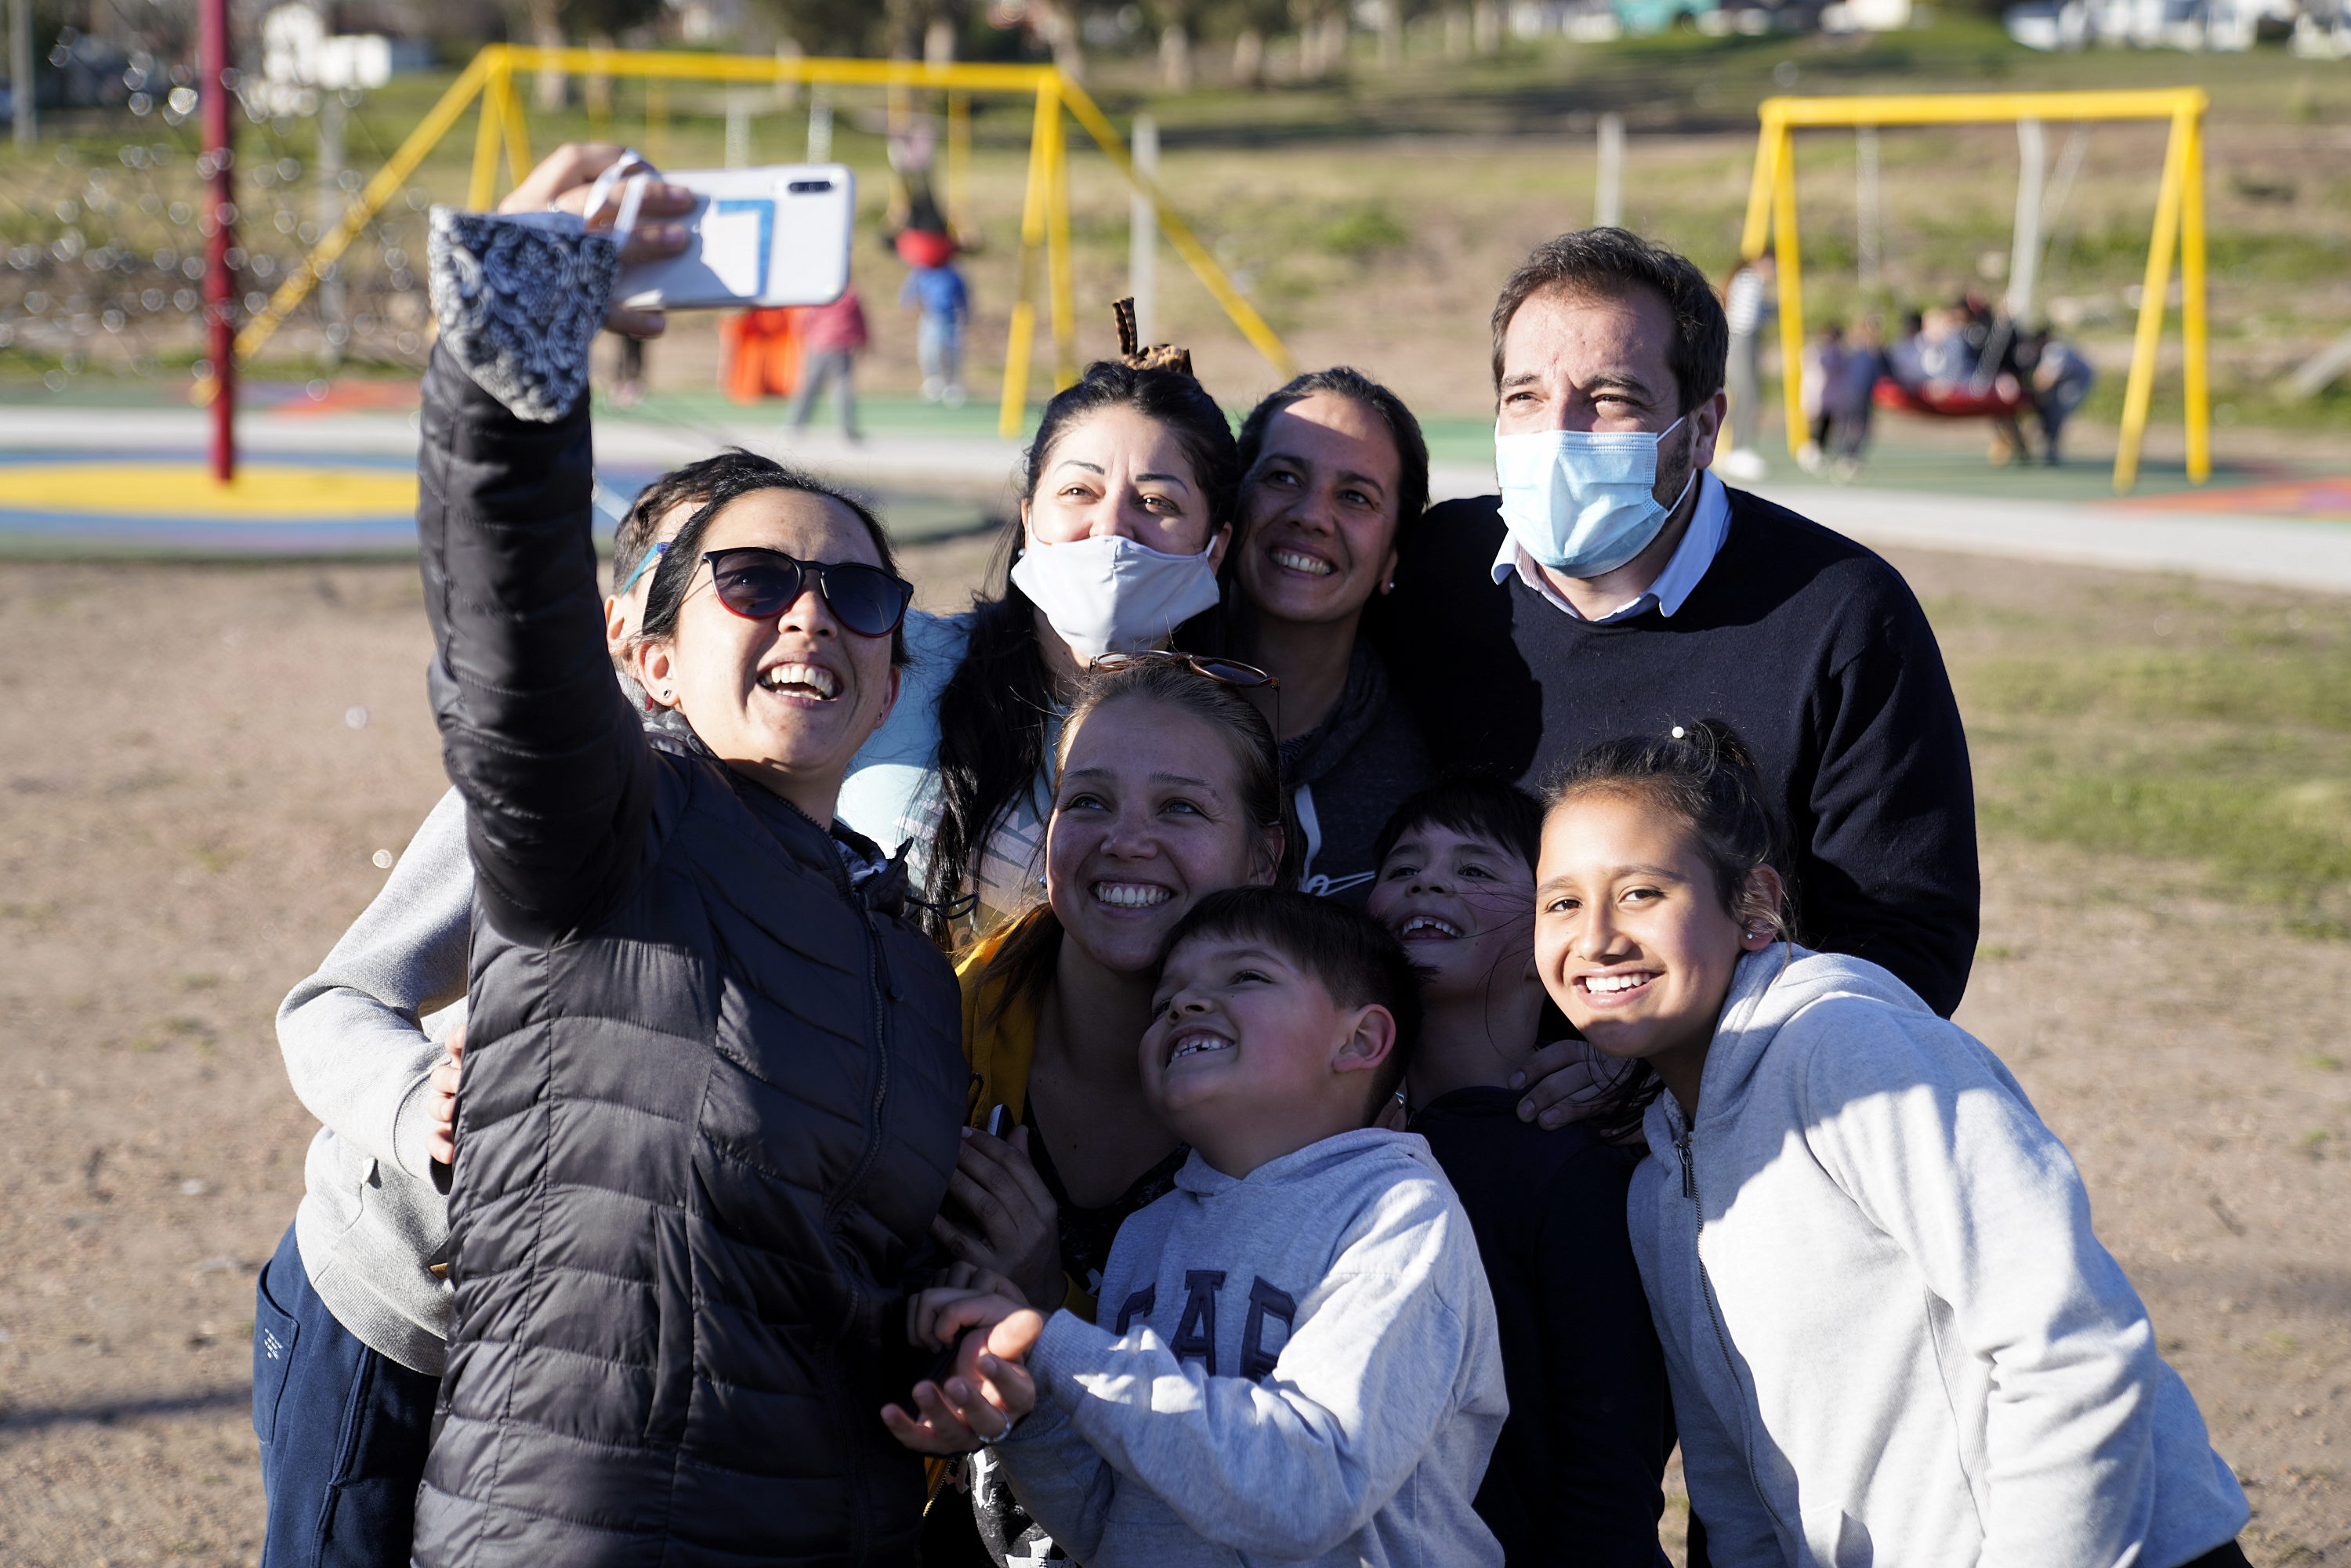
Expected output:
{"points": [[1768, 990], [847, 858], [1204, 1180], [1305, 759]]}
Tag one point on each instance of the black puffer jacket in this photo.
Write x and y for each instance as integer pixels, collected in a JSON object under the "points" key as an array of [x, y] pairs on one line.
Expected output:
{"points": [[711, 1101]]}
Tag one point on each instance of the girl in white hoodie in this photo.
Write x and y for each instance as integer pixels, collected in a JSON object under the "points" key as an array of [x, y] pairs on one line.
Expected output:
{"points": [[1891, 1335]]}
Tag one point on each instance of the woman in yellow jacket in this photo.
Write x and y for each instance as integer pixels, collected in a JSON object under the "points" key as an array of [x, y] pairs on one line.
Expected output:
{"points": [[1168, 788]]}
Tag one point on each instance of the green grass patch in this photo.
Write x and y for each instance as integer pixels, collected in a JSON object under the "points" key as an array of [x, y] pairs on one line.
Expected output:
{"points": [[2270, 686], [2162, 722]]}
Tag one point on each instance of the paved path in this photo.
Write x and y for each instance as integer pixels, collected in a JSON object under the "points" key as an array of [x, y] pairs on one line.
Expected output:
{"points": [[2285, 552], [2314, 554], [2281, 551]]}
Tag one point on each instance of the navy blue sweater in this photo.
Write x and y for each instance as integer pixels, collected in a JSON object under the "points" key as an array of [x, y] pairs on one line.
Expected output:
{"points": [[1575, 1477], [1808, 645]]}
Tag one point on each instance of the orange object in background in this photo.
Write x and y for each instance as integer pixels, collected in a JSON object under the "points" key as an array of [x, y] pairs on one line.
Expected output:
{"points": [[763, 354]]}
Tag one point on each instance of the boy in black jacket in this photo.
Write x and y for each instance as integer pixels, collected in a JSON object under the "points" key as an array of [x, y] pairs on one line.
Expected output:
{"points": [[1575, 1476]]}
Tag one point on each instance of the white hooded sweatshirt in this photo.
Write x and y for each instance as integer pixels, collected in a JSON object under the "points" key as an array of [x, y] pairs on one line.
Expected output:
{"points": [[1892, 1337], [1299, 1365]]}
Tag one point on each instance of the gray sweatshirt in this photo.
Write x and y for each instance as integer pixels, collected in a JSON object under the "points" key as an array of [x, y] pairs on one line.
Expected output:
{"points": [[1891, 1334], [358, 1047], [1297, 1367]]}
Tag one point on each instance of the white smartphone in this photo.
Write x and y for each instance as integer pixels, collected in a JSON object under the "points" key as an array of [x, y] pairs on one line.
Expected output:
{"points": [[777, 236]]}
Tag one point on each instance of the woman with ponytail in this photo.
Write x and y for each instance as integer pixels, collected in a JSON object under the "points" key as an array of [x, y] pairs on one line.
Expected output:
{"points": [[1900, 1341], [1126, 515]]}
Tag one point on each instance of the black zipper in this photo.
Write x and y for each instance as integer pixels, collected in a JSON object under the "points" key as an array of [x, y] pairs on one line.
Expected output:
{"points": [[1714, 1313], [877, 987]]}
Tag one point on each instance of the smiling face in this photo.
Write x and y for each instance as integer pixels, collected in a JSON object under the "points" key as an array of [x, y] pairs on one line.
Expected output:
{"points": [[1147, 819], [1319, 511], [1462, 906], [1119, 472], [1632, 937], [785, 700], [1249, 1058]]}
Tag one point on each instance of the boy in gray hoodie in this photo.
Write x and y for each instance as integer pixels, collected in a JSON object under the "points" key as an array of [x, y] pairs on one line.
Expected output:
{"points": [[1298, 1360]]}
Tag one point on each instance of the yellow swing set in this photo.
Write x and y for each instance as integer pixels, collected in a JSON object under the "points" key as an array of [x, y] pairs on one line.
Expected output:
{"points": [[501, 128]]}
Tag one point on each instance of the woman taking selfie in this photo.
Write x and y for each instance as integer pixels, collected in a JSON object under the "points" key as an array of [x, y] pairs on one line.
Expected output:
{"points": [[1333, 467], [1169, 789], [1125, 518], [711, 1083]]}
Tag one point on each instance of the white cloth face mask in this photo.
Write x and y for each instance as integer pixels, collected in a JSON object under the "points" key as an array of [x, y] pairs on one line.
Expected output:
{"points": [[1581, 502], [1108, 594]]}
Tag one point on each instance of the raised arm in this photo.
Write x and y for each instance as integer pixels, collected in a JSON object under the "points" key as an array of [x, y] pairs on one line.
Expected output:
{"points": [[554, 767], [356, 1049]]}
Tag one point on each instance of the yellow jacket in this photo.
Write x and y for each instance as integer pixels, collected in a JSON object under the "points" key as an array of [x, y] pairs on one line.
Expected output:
{"points": [[1001, 1051]]}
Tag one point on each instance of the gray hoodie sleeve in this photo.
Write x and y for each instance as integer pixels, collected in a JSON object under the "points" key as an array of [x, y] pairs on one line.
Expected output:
{"points": [[1936, 1144], [1065, 1486], [1294, 1465], [355, 1046]]}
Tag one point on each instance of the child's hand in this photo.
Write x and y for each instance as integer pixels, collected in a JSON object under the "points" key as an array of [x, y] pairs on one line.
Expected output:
{"points": [[990, 1389], [960, 1280]]}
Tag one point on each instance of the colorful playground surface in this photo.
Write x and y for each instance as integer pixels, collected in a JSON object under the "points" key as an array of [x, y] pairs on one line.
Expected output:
{"points": [[327, 469], [113, 503], [2328, 496]]}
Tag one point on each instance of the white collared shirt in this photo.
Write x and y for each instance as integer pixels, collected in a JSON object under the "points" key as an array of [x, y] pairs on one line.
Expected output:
{"points": [[1709, 522]]}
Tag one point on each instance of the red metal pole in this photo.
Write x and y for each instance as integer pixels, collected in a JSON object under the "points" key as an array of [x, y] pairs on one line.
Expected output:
{"points": [[220, 280]]}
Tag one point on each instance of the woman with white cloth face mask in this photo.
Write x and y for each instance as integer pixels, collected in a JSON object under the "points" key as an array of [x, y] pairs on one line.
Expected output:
{"points": [[1126, 512], [1119, 547], [1597, 452]]}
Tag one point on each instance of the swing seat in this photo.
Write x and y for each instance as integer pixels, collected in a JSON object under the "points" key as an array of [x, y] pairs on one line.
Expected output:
{"points": [[2003, 400], [925, 247]]}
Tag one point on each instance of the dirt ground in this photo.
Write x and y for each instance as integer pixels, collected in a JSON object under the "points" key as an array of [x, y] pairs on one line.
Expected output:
{"points": [[202, 766]]}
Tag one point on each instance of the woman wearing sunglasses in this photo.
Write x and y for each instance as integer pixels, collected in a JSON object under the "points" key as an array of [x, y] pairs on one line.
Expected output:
{"points": [[1125, 518], [712, 1085], [1168, 788]]}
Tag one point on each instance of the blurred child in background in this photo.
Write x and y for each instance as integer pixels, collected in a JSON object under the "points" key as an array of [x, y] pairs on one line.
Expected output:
{"points": [[943, 300]]}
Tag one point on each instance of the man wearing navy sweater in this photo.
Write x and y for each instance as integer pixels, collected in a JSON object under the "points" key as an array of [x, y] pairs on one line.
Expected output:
{"points": [[1615, 586]]}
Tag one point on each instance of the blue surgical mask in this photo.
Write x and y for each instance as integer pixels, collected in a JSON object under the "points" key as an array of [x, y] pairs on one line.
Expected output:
{"points": [[1581, 502]]}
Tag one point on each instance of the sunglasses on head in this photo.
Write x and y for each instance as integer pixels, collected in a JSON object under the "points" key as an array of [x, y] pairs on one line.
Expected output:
{"points": [[1228, 672], [761, 584]]}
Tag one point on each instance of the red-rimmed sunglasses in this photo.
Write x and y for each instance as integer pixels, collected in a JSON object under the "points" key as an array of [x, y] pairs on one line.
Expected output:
{"points": [[759, 585]]}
